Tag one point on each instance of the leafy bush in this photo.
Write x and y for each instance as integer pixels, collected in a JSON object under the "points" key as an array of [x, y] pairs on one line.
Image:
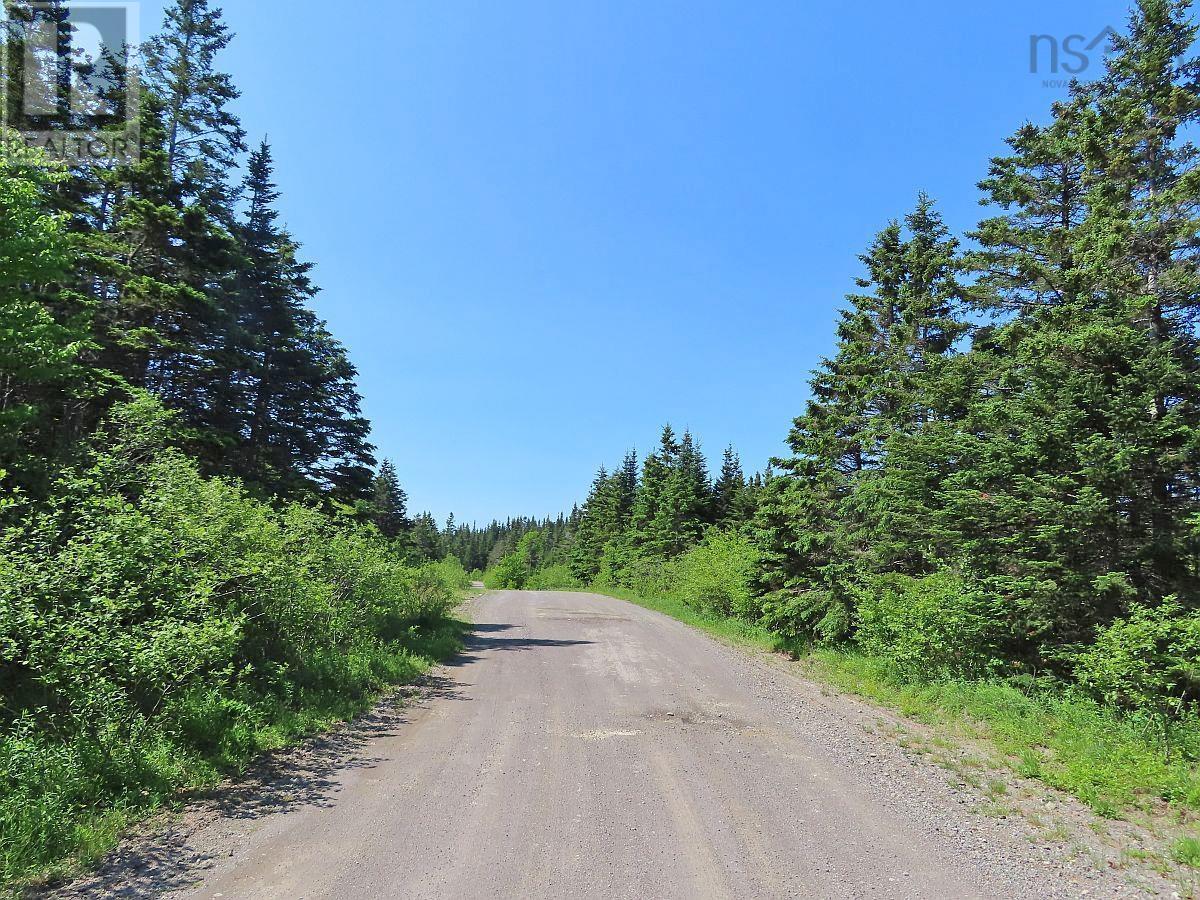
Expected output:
{"points": [[642, 573], [1149, 661], [553, 578], [157, 627], [930, 626], [449, 571], [509, 574], [515, 569], [715, 577]]}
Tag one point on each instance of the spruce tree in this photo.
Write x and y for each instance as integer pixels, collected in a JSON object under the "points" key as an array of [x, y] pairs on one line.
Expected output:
{"points": [[599, 523], [1061, 476], [302, 426], [389, 502], [818, 524], [203, 137], [729, 492], [648, 520]]}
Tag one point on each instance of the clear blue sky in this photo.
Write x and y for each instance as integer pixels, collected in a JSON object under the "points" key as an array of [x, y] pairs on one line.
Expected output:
{"points": [[545, 228]]}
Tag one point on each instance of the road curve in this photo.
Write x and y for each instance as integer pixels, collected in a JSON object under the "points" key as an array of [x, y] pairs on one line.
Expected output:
{"points": [[585, 747]]}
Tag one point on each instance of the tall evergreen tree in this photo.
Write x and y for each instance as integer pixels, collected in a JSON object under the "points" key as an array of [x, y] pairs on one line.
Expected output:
{"points": [[817, 524], [730, 506], [389, 502], [293, 385], [599, 523], [203, 136]]}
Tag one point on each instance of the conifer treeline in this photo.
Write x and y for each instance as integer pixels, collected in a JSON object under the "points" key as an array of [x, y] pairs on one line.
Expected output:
{"points": [[172, 274], [638, 517], [481, 547], [1015, 416]]}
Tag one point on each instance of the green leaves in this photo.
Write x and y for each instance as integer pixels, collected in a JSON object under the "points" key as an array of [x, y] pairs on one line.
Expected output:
{"points": [[154, 621], [1148, 661]]}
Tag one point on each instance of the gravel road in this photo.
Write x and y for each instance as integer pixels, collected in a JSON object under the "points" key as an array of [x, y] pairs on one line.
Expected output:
{"points": [[584, 747]]}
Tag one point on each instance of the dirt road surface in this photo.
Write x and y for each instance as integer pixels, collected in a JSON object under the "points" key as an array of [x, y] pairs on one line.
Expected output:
{"points": [[584, 747]]}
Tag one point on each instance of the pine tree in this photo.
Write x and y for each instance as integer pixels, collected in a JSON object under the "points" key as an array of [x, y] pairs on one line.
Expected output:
{"points": [[294, 387], [599, 523], [389, 502], [1062, 474], [626, 488], [424, 539], [1140, 247], [646, 531], [730, 506], [685, 506], [203, 137], [818, 523]]}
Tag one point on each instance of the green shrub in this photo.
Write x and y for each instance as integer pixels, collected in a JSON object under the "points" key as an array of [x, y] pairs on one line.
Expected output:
{"points": [[929, 627], [515, 570], [1149, 662], [715, 577], [509, 574], [644, 574], [553, 578], [158, 627], [803, 618], [449, 571]]}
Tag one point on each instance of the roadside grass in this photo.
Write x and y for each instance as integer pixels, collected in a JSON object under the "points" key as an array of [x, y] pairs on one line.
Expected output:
{"points": [[169, 778], [1187, 852], [1112, 761]]}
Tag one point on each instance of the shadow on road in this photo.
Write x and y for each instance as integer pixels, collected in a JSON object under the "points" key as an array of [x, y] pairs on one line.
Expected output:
{"points": [[481, 639]]}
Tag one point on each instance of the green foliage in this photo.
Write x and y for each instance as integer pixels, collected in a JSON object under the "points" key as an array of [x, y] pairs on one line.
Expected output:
{"points": [[553, 578], [717, 575], [1148, 662], [515, 570], [450, 572], [480, 547], [510, 574], [633, 526], [387, 505], [157, 625], [823, 523], [1187, 851], [929, 627], [1026, 415], [39, 345]]}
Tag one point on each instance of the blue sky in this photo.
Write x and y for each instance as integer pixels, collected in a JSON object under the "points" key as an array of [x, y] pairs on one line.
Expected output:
{"points": [[545, 228]]}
